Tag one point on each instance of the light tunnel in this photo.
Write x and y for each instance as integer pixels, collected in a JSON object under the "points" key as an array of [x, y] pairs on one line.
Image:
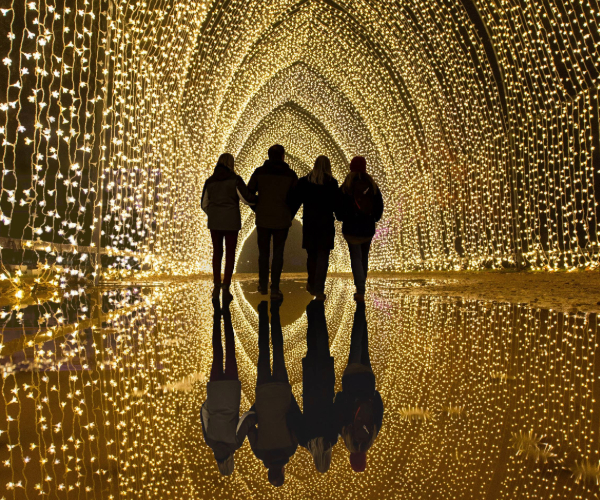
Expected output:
{"points": [[479, 122]]}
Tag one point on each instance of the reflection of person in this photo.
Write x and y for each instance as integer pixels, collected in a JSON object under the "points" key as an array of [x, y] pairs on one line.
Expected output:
{"points": [[362, 207], [319, 431], [358, 406], [220, 412], [273, 182], [221, 197], [272, 424]]}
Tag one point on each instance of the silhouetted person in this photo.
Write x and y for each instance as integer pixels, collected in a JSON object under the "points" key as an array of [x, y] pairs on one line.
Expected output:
{"points": [[319, 431], [221, 197], [318, 192], [361, 208], [272, 425], [358, 406], [273, 182], [220, 413]]}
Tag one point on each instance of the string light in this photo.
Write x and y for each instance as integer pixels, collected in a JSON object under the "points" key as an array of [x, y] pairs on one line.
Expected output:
{"points": [[478, 123]]}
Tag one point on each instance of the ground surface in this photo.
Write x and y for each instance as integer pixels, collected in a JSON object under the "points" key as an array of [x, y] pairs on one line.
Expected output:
{"points": [[560, 291]]}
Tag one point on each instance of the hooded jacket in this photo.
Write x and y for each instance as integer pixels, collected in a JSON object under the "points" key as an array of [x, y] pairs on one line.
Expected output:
{"points": [[221, 197], [273, 182]]}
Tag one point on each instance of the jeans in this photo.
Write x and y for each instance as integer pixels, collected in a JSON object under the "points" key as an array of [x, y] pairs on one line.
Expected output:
{"points": [[264, 235], [230, 244], [231, 369], [359, 339], [263, 368], [317, 337], [359, 261], [317, 263]]}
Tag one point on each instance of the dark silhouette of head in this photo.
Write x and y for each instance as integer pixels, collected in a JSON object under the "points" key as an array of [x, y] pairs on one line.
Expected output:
{"points": [[276, 152], [358, 164], [358, 461], [276, 475]]}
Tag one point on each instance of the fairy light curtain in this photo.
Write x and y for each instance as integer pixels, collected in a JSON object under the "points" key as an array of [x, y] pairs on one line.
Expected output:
{"points": [[479, 121]]}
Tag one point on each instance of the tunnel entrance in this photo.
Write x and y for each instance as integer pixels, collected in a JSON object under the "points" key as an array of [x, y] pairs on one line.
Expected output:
{"points": [[294, 257]]}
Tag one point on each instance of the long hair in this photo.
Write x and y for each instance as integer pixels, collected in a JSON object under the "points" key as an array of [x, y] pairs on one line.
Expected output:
{"points": [[360, 176], [227, 160], [321, 455], [354, 445], [226, 466], [321, 169]]}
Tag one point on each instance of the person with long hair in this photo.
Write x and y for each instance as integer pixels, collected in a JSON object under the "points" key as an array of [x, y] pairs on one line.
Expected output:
{"points": [[319, 194], [358, 407], [221, 197], [272, 423], [319, 431], [220, 412], [362, 208]]}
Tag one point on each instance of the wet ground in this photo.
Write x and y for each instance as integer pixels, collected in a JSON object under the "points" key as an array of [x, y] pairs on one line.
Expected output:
{"points": [[484, 397]]}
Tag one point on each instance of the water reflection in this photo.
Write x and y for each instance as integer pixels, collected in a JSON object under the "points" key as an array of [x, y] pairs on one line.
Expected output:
{"points": [[220, 412], [358, 407], [274, 420], [482, 399], [319, 431]]}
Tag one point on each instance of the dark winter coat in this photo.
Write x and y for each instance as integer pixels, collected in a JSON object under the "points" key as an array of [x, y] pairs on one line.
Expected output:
{"points": [[318, 387], [221, 197], [273, 182], [357, 388], [355, 222], [320, 202]]}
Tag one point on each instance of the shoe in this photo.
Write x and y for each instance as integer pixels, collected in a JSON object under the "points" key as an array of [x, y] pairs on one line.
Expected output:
{"points": [[262, 290], [320, 296], [359, 297], [276, 295], [309, 289], [216, 291], [227, 296]]}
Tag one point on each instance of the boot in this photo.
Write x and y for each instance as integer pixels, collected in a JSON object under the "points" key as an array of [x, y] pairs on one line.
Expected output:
{"points": [[227, 296]]}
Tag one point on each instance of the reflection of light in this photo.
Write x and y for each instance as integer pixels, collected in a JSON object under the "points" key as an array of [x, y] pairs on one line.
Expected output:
{"points": [[469, 388]]}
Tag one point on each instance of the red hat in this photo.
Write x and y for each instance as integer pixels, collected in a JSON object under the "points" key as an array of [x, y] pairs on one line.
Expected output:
{"points": [[358, 164], [358, 461]]}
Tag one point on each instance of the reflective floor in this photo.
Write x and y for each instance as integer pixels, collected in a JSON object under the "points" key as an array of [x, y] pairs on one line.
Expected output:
{"points": [[102, 395]]}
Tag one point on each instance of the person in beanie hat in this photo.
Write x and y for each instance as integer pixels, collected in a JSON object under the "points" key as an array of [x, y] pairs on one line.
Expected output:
{"points": [[358, 164], [361, 208], [358, 407]]}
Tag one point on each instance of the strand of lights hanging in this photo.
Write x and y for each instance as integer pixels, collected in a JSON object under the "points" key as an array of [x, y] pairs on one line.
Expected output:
{"points": [[478, 121]]}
